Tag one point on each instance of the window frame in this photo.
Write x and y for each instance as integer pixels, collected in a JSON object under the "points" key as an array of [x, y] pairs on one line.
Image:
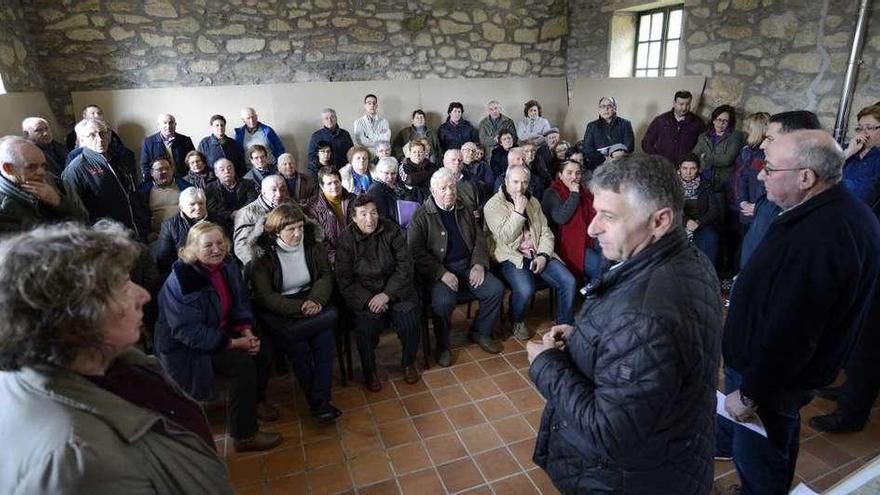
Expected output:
{"points": [[664, 41]]}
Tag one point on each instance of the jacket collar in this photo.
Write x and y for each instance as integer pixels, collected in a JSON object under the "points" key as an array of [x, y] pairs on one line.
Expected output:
{"points": [[809, 206], [432, 208], [647, 259], [192, 278], [64, 386]]}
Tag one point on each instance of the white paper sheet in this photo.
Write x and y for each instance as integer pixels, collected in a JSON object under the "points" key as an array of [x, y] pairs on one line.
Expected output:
{"points": [[755, 425]]}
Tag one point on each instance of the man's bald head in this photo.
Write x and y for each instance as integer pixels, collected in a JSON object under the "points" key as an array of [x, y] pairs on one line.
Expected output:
{"points": [[452, 161]]}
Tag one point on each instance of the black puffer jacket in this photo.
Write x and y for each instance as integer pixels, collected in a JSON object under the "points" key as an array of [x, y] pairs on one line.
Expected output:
{"points": [[631, 401]]}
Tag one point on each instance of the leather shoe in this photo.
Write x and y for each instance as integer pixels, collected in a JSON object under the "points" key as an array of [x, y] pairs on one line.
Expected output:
{"points": [[486, 343], [835, 423], [265, 412], [327, 414], [410, 374], [443, 357], [262, 440], [372, 383]]}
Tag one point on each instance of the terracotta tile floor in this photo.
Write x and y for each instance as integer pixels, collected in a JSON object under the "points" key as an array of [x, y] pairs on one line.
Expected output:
{"points": [[466, 429]]}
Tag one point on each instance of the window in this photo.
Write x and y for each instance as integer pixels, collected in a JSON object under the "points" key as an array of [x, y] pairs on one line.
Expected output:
{"points": [[2, 88], [657, 42]]}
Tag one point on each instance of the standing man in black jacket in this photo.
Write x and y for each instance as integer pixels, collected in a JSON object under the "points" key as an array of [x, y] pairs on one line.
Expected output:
{"points": [[630, 387], [105, 180], [168, 144], [798, 306]]}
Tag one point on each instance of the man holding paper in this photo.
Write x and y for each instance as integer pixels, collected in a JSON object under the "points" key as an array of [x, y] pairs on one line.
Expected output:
{"points": [[797, 306], [630, 387]]}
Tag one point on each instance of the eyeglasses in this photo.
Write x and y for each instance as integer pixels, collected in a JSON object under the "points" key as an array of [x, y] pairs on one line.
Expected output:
{"points": [[869, 128], [768, 170]]}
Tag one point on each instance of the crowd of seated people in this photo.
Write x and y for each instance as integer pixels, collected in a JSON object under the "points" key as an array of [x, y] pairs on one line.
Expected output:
{"points": [[378, 231]]}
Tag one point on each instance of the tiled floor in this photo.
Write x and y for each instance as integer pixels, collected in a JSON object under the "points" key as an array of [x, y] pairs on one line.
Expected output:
{"points": [[466, 429]]}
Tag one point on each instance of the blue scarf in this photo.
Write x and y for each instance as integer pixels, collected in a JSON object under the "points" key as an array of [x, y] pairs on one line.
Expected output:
{"points": [[361, 182]]}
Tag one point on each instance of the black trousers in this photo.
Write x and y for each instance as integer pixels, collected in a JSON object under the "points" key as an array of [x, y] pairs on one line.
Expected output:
{"points": [[308, 343], [403, 316], [863, 371], [250, 376]]}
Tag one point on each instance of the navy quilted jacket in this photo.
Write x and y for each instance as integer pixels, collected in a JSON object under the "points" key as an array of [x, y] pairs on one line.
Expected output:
{"points": [[631, 400]]}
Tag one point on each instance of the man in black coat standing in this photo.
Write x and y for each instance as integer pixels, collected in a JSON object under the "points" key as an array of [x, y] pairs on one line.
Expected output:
{"points": [[630, 387], [798, 306], [168, 144]]}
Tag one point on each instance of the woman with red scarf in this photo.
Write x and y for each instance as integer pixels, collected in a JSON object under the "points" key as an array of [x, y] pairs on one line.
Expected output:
{"points": [[568, 204]]}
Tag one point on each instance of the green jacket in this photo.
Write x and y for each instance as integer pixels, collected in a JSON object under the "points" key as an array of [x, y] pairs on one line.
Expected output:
{"points": [[66, 435], [405, 135], [427, 239], [720, 156]]}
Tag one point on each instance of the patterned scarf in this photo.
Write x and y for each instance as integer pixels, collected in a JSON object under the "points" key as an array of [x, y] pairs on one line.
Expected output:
{"points": [[691, 188]]}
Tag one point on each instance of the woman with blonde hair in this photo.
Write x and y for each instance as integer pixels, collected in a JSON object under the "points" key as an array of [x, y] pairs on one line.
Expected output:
{"points": [[749, 163], [205, 326]]}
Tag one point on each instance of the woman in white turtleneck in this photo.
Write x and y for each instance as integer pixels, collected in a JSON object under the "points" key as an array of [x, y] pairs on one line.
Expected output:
{"points": [[291, 282]]}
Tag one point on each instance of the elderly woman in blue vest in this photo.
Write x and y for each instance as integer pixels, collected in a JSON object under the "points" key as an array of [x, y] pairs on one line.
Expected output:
{"points": [[204, 327], [291, 285]]}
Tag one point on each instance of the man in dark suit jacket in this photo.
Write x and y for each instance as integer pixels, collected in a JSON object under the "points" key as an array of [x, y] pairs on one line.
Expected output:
{"points": [[168, 144]]}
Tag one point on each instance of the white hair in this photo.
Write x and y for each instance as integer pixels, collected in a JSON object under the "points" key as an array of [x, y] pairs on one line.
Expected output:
{"points": [[191, 194], [31, 122], [10, 151], [389, 163], [221, 160], [163, 115], [287, 155], [516, 151], [441, 174], [328, 110], [272, 178], [512, 168], [83, 126]]}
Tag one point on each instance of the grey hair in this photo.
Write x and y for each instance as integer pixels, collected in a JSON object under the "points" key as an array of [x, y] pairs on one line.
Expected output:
{"points": [[516, 151], [286, 155], [57, 286], [450, 152], [493, 102], [381, 144], [10, 150], [221, 160], [822, 156], [83, 125], [165, 114], [328, 110], [648, 181], [441, 174], [511, 168], [389, 161], [610, 100], [30, 122], [271, 178], [191, 194]]}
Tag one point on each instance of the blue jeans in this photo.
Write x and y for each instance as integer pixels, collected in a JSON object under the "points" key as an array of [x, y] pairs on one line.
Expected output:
{"points": [[444, 299], [765, 465], [706, 240], [522, 287]]}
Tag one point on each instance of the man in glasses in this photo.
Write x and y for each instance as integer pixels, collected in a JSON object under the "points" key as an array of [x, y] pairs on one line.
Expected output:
{"points": [[106, 181], [797, 306]]}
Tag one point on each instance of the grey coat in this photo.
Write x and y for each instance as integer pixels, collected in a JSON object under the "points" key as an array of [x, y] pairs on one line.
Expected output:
{"points": [[69, 436]]}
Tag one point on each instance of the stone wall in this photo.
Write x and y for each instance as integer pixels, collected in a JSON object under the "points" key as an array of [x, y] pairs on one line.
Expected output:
{"points": [[18, 63], [758, 55], [774, 55], [92, 44]]}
